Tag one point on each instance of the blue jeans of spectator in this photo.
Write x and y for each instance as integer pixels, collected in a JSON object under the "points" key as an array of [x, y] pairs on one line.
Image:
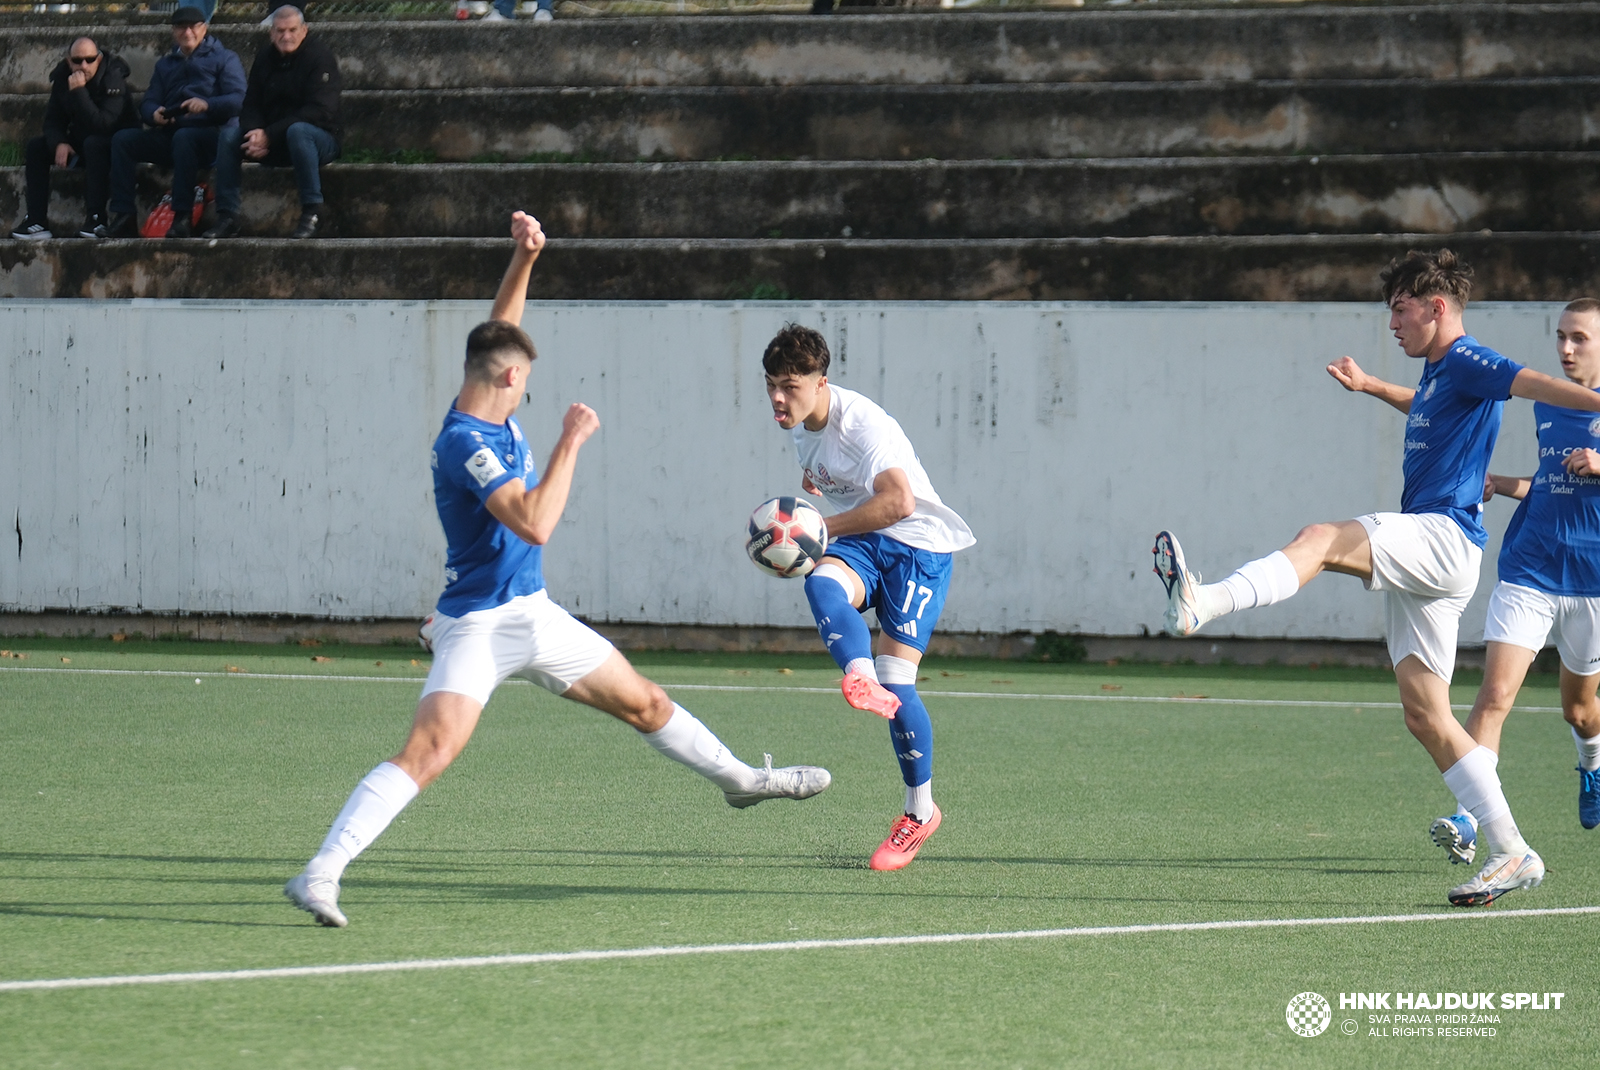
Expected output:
{"points": [[185, 150], [508, 8], [309, 147]]}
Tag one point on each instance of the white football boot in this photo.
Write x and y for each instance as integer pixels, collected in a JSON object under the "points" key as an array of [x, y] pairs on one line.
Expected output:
{"points": [[1183, 612], [318, 896], [1503, 873], [789, 782]]}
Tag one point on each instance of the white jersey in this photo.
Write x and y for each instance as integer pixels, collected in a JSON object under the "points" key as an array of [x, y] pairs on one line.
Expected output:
{"points": [[860, 442]]}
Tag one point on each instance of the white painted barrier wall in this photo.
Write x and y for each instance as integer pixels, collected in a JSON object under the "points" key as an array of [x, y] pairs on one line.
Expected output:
{"points": [[263, 457]]}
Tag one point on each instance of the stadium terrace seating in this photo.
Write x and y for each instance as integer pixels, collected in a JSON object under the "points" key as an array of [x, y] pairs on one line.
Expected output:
{"points": [[1204, 153]]}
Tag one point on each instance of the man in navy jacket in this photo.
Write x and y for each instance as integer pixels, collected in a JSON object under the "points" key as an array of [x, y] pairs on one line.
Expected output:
{"points": [[196, 90]]}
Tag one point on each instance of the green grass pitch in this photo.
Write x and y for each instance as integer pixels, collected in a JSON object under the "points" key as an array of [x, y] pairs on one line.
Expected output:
{"points": [[149, 822]]}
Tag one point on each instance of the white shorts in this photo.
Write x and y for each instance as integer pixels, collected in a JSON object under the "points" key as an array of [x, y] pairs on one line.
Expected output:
{"points": [[530, 637], [1523, 617], [1427, 569]]}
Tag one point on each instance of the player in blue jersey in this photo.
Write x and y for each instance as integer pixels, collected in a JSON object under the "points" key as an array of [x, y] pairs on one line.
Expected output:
{"points": [[1549, 578], [890, 544], [494, 619], [1424, 558]]}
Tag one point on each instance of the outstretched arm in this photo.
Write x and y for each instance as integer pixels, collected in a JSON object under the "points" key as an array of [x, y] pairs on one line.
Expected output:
{"points": [[1352, 378], [513, 294], [532, 512], [1506, 486], [891, 502], [1537, 386]]}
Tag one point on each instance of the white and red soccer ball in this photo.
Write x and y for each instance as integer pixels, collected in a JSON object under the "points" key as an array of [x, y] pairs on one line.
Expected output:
{"points": [[787, 537]]}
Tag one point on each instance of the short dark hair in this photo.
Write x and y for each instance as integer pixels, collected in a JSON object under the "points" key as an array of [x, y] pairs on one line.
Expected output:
{"points": [[796, 350], [1583, 304], [490, 342], [1440, 274]]}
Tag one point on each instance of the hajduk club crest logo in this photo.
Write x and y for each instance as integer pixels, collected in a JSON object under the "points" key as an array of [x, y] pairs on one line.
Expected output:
{"points": [[1308, 1014]]}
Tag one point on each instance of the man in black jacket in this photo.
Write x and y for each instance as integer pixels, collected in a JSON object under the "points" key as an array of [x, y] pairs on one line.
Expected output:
{"points": [[290, 118], [89, 101]]}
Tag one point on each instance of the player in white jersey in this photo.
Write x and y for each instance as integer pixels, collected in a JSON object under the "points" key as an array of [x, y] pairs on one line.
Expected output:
{"points": [[1424, 558], [890, 544], [494, 619], [1549, 578]]}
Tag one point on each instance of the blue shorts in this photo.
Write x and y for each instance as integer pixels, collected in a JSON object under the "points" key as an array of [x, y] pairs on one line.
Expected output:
{"points": [[904, 584]]}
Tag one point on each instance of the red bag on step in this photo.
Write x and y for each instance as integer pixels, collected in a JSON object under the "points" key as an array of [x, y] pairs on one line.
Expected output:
{"points": [[159, 221]]}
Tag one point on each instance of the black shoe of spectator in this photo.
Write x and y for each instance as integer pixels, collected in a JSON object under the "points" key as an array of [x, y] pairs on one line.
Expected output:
{"points": [[93, 227], [181, 227], [122, 226], [308, 224], [32, 230], [226, 226]]}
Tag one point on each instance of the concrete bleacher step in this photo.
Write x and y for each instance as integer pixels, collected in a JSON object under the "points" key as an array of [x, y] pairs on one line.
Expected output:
{"points": [[1223, 153], [1516, 266], [1421, 193], [1030, 121], [1443, 41]]}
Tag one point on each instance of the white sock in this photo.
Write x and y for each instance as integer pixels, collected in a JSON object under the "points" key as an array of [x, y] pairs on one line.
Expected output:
{"points": [[863, 666], [919, 800], [893, 670], [380, 796], [1477, 788], [684, 739], [1257, 583], [1588, 751]]}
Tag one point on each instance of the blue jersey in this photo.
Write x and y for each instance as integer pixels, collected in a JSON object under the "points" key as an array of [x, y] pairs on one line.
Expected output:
{"points": [[487, 565], [1553, 541], [1450, 433]]}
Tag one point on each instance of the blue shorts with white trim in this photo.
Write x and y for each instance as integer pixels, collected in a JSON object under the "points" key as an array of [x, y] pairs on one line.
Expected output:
{"points": [[907, 586]]}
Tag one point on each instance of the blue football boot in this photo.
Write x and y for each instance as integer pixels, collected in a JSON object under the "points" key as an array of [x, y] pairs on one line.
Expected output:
{"points": [[1588, 797], [1458, 835]]}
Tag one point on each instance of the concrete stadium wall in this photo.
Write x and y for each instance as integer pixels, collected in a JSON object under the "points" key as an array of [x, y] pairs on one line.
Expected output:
{"points": [[260, 457]]}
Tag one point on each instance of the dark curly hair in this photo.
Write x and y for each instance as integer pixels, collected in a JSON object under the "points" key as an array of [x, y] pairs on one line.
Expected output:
{"points": [[1440, 274], [796, 350]]}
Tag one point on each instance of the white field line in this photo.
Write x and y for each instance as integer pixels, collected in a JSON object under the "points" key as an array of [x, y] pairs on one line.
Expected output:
{"points": [[787, 689], [786, 945]]}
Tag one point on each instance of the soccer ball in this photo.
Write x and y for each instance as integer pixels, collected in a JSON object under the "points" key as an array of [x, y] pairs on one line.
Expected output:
{"points": [[787, 537]]}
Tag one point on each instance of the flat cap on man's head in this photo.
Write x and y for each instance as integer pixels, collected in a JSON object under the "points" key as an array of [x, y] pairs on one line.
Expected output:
{"points": [[188, 15]]}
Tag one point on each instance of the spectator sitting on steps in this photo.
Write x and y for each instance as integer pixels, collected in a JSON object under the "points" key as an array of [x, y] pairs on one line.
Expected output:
{"points": [[89, 101], [195, 92], [290, 119]]}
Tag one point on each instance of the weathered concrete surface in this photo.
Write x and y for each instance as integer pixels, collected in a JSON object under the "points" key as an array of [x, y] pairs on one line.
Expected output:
{"points": [[1510, 267], [964, 122], [1440, 193], [1437, 41], [389, 632]]}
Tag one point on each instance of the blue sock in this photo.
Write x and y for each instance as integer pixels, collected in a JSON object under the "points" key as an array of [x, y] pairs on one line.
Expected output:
{"points": [[838, 622], [911, 731]]}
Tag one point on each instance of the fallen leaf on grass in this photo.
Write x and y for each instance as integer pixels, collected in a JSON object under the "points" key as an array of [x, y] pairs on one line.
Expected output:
{"points": [[1002, 681], [66, 661], [234, 668], [415, 662], [319, 659], [785, 672], [943, 673], [1111, 687], [379, 664]]}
